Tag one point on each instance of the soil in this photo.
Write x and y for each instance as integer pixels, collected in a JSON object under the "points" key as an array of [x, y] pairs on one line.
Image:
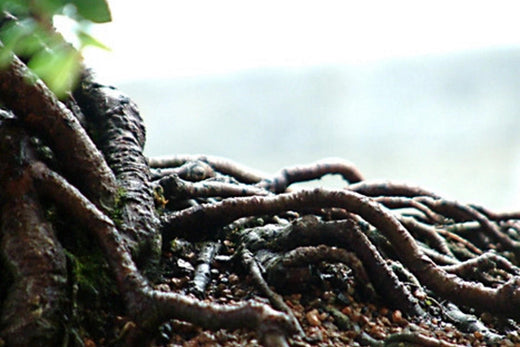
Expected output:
{"points": [[332, 308]]}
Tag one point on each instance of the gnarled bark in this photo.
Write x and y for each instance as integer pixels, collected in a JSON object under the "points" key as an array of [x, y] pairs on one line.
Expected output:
{"points": [[41, 111], [34, 309], [121, 136]]}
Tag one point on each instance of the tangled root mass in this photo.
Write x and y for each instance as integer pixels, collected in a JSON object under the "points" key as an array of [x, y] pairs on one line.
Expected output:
{"points": [[165, 226]]}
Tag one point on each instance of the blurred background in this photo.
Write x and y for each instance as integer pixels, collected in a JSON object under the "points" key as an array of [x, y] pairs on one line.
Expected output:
{"points": [[422, 92]]}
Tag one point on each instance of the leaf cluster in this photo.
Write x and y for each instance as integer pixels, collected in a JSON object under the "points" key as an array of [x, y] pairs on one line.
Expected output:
{"points": [[96, 11], [27, 31]]}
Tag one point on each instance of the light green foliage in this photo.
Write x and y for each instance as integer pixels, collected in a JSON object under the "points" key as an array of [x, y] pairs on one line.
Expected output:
{"points": [[96, 11], [31, 37]]}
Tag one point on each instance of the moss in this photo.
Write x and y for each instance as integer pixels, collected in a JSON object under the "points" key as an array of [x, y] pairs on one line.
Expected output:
{"points": [[91, 275], [159, 199], [95, 300], [116, 213]]}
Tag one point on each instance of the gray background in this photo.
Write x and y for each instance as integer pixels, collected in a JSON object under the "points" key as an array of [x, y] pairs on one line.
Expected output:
{"points": [[447, 122]]}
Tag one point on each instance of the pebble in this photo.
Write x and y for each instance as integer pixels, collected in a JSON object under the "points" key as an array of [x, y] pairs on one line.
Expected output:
{"points": [[478, 335], [420, 294], [163, 287], [323, 316], [328, 296], [355, 317], [178, 282], [315, 335], [397, 317], [377, 332], [313, 317], [185, 265], [295, 298], [239, 292], [385, 321], [233, 279], [347, 310]]}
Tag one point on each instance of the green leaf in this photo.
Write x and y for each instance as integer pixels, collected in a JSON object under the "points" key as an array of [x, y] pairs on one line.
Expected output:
{"points": [[96, 11], [88, 40], [12, 32], [25, 8], [6, 55], [49, 7], [59, 68], [18, 7], [23, 37]]}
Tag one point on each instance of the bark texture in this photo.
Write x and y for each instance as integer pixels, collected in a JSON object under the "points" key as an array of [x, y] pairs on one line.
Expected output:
{"points": [[32, 312], [121, 136]]}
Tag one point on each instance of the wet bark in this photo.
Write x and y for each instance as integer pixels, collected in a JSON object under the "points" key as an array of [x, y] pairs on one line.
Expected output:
{"points": [[118, 130], [45, 115]]}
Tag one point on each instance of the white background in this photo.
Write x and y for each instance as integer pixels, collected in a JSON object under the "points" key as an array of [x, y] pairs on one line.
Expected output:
{"points": [[201, 37]]}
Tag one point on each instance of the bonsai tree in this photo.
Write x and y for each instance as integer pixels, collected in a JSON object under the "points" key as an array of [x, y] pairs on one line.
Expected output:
{"points": [[102, 245]]}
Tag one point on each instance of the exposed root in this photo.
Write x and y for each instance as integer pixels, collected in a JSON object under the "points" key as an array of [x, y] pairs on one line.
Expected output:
{"points": [[121, 136], [275, 299], [202, 274], [288, 176], [33, 257], [45, 115], [402, 246], [225, 166], [146, 306]]}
